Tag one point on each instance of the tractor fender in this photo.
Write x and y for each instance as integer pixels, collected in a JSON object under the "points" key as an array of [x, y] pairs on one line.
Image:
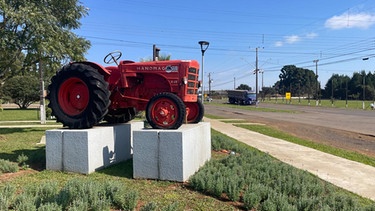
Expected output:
{"points": [[101, 69]]}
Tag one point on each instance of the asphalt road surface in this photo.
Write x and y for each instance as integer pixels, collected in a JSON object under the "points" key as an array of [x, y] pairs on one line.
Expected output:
{"points": [[350, 129]]}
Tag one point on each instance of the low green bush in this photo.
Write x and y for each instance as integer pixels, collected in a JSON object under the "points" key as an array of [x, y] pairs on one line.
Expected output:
{"points": [[22, 161], [7, 166], [49, 207], [149, 207], [76, 194], [152, 206], [261, 182]]}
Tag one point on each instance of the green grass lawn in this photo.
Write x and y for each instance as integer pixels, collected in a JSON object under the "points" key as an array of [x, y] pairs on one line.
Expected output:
{"points": [[352, 104], [19, 114], [247, 172], [220, 185]]}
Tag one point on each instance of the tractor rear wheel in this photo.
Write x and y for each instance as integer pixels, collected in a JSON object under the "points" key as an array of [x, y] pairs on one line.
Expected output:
{"points": [[195, 111], [165, 111], [78, 95]]}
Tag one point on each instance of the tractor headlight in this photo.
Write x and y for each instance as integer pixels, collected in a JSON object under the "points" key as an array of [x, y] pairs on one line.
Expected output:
{"points": [[185, 80]]}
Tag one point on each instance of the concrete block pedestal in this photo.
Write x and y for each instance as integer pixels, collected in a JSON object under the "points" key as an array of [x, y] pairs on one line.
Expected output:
{"points": [[172, 155], [84, 151]]}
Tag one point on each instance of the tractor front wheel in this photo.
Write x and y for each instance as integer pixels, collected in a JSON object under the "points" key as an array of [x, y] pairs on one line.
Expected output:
{"points": [[165, 111], [78, 95], [195, 111]]}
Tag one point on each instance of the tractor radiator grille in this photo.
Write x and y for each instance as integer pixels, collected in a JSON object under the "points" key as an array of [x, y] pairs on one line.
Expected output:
{"points": [[192, 81]]}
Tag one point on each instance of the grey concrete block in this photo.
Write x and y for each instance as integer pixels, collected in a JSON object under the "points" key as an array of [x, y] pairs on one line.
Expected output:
{"points": [[145, 154], [54, 150], [87, 150], [172, 155]]}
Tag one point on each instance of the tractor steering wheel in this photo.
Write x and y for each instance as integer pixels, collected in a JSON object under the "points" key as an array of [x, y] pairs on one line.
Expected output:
{"points": [[112, 57]]}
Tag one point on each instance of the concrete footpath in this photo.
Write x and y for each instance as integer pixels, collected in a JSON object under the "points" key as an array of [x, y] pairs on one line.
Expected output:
{"points": [[352, 176]]}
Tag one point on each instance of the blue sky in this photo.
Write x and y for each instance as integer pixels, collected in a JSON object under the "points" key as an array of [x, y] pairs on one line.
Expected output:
{"points": [[338, 33]]}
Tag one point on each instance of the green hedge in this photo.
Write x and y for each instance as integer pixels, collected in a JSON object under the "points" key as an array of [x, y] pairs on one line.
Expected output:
{"points": [[8, 167], [261, 182]]}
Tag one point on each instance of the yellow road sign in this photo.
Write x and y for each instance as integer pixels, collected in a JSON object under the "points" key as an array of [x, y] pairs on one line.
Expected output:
{"points": [[288, 95]]}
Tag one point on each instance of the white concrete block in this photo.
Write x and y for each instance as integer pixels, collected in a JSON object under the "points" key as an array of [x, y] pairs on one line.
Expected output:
{"points": [[54, 150], [172, 155], [145, 161], [87, 150]]}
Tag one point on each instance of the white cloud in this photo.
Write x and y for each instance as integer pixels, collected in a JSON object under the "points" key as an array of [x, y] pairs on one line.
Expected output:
{"points": [[292, 39], [347, 21], [279, 44], [311, 35], [295, 38]]}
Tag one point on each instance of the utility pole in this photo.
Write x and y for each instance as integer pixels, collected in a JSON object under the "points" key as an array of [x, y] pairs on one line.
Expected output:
{"points": [[262, 71], [346, 94], [209, 85], [256, 75], [364, 86], [317, 82], [155, 53], [332, 92]]}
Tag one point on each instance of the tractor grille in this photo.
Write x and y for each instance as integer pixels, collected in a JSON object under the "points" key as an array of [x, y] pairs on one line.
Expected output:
{"points": [[192, 70], [192, 81]]}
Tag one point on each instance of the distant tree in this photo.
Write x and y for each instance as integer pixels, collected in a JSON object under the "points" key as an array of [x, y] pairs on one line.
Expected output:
{"points": [[162, 57], [336, 87], [267, 92], [244, 87], [23, 90], [356, 85], [297, 80]]}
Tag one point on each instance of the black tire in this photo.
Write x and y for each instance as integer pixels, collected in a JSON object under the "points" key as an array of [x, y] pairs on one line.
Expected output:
{"points": [[232, 101], [198, 112], [78, 95], [171, 117], [120, 115]]}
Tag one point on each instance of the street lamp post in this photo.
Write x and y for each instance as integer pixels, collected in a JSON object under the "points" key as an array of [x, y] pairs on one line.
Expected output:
{"points": [[204, 45]]}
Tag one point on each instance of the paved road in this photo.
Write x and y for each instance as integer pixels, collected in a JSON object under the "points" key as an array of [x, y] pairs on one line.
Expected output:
{"points": [[353, 120]]}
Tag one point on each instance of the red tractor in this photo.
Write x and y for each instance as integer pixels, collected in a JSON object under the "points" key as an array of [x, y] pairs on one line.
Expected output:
{"points": [[82, 94]]}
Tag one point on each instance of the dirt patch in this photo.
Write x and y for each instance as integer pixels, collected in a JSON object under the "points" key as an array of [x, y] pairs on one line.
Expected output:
{"points": [[351, 141], [8, 176]]}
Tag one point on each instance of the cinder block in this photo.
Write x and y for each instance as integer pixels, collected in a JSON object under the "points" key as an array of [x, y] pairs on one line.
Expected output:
{"points": [[172, 155], [87, 150]]}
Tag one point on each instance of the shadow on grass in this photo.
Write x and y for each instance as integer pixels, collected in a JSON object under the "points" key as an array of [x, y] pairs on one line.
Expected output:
{"points": [[123, 169], [5, 131], [17, 108], [36, 157]]}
